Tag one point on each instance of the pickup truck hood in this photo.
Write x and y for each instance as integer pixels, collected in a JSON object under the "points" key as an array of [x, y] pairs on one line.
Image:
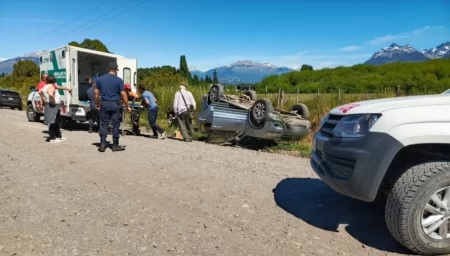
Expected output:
{"points": [[381, 105]]}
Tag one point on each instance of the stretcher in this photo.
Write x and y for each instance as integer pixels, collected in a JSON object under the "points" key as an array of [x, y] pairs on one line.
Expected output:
{"points": [[136, 109]]}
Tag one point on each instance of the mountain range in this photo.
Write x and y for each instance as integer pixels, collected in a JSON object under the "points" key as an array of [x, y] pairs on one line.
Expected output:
{"points": [[406, 53], [248, 71], [243, 71]]}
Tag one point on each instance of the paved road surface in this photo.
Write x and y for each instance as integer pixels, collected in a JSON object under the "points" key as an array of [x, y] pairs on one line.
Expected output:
{"points": [[170, 198]]}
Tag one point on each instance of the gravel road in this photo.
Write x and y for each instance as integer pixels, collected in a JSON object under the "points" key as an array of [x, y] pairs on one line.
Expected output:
{"points": [[166, 197]]}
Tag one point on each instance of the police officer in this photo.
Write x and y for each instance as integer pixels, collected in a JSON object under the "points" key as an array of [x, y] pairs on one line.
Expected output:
{"points": [[111, 89]]}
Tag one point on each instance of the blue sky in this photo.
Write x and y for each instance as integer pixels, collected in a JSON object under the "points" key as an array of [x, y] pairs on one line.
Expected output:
{"points": [[214, 33]]}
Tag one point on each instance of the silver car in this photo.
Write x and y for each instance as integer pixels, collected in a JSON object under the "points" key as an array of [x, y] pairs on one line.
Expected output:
{"points": [[245, 116]]}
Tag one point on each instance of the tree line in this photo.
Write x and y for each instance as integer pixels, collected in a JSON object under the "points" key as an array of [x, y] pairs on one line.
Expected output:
{"points": [[428, 77]]}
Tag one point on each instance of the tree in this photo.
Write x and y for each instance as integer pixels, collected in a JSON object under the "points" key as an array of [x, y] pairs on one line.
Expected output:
{"points": [[306, 67], [73, 43], [201, 80], [95, 45], [184, 70], [25, 68], [208, 79], [195, 81], [3, 74], [215, 79]]}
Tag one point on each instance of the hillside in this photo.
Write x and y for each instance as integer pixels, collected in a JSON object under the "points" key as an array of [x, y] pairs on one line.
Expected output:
{"points": [[432, 76]]}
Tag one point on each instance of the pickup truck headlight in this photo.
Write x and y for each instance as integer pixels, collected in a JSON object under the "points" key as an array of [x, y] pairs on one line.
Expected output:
{"points": [[355, 125]]}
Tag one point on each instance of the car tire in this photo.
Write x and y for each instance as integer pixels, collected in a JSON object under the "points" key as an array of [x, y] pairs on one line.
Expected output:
{"points": [[20, 108], [261, 109], [300, 109], [215, 93], [251, 94], [415, 196], [31, 114]]}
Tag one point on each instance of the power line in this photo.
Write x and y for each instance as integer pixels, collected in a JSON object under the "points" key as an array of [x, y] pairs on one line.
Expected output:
{"points": [[63, 36], [104, 21], [70, 22]]}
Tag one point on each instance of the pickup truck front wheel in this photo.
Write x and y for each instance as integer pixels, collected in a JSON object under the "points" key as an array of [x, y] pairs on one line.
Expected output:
{"points": [[418, 209]]}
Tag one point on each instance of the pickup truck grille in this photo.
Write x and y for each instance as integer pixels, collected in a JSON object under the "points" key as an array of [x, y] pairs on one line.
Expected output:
{"points": [[330, 123]]}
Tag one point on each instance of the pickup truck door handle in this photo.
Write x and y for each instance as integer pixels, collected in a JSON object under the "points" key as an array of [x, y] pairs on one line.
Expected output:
{"points": [[202, 119], [215, 126]]}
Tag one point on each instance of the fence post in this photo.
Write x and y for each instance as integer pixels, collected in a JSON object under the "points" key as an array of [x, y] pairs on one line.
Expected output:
{"points": [[266, 92], [297, 95], [367, 95], [339, 97], [279, 98], [282, 99], [397, 91]]}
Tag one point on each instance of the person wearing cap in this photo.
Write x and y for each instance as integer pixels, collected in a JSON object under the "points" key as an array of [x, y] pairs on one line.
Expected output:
{"points": [[183, 106], [134, 97], [111, 90], [149, 101]]}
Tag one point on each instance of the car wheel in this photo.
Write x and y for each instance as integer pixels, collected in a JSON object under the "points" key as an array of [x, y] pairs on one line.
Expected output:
{"points": [[215, 93], [31, 114], [251, 94], [300, 109], [418, 209], [260, 110], [20, 108], [11, 108]]}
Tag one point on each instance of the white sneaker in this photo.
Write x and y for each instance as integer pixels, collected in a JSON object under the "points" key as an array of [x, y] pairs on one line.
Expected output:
{"points": [[55, 141], [163, 135], [63, 138]]}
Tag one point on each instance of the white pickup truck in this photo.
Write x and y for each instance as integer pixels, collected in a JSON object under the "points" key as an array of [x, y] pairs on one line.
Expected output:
{"points": [[394, 147], [69, 65]]}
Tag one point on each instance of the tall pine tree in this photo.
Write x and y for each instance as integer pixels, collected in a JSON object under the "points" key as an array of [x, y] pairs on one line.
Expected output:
{"points": [[215, 79], [184, 70]]}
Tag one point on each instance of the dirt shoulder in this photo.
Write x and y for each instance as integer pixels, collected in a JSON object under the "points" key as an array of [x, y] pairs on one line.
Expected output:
{"points": [[170, 198]]}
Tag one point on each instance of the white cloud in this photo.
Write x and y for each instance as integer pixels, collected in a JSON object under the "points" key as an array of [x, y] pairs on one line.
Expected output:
{"points": [[350, 48], [410, 34], [291, 61], [2, 59]]}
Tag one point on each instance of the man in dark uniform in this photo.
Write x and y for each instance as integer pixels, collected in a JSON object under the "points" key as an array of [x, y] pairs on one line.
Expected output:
{"points": [[111, 89]]}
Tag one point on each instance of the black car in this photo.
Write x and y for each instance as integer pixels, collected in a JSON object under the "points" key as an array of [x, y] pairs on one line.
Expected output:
{"points": [[10, 99]]}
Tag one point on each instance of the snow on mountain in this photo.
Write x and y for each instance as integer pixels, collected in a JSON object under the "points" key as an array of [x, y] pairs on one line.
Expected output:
{"points": [[437, 52], [396, 53], [244, 71]]}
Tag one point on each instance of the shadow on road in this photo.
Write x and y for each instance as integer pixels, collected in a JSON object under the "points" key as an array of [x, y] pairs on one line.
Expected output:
{"points": [[312, 201]]}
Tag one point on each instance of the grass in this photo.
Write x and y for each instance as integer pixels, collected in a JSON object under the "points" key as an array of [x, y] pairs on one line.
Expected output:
{"points": [[318, 105]]}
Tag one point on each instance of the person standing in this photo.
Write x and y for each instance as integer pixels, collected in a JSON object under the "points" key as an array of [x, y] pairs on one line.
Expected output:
{"points": [[42, 83], [133, 97], [149, 101], [184, 106], [52, 111], [93, 112], [111, 90]]}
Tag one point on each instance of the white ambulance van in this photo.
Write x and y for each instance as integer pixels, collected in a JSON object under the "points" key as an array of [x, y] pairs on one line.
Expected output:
{"points": [[70, 65]]}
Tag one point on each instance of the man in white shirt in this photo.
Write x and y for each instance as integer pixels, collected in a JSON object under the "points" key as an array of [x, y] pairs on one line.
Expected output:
{"points": [[184, 106]]}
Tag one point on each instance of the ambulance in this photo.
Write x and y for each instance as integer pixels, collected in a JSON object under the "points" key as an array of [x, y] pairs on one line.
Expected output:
{"points": [[70, 65]]}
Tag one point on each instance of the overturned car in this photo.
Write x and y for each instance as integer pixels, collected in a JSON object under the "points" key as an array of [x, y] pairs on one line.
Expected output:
{"points": [[246, 116]]}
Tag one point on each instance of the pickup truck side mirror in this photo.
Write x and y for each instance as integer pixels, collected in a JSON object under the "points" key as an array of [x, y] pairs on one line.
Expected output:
{"points": [[32, 88]]}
